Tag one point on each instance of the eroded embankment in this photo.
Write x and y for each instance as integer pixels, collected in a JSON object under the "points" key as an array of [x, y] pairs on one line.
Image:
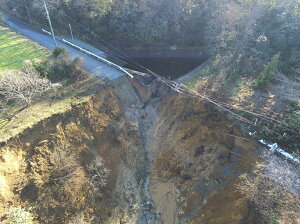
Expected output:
{"points": [[170, 161]]}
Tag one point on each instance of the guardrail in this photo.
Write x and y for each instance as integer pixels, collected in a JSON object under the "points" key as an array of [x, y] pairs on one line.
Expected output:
{"points": [[93, 55], [47, 32]]}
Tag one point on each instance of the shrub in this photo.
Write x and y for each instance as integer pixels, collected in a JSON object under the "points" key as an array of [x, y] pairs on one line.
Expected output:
{"points": [[267, 74], [98, 174], [60, 67], [18, 215], [59, 51], [70, 177], [286, 133], [64, 164], [67, 177], [42, 68]]}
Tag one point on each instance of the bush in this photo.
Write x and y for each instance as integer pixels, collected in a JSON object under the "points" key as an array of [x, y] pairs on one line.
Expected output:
{"points": [[71, 178], [267, 74], [60, 67], [64, 164], [98, 174], [18, 215], [67, 177], [59, 51], [286, 133]]}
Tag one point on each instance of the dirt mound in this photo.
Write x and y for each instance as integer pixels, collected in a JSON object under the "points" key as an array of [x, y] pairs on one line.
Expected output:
{"points": [[167, 159]]}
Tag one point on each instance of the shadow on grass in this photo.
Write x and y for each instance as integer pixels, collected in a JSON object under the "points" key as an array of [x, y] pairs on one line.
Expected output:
{"points": [[54, 102]]}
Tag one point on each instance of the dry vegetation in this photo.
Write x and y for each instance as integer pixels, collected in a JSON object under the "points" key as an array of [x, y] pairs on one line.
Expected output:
{"points": [[274, 188], [67, 172], [23, 86], [70, 185]]}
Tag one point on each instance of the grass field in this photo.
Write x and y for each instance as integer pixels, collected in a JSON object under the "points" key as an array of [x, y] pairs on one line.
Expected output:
{"points": [[14, 49]]}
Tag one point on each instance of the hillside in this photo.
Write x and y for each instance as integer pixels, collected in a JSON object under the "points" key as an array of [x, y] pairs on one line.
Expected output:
{"points": [[216, 145], [175, 156]]}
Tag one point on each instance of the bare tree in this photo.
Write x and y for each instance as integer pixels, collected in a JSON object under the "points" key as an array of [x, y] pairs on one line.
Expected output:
{"points": [[23, 86], [67, 173], [98, 173], [73, 180], [64, 163], [274, 188]]}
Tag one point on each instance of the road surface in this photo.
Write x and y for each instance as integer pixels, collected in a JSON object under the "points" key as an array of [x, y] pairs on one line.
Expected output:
{"points": [[91, 64]]}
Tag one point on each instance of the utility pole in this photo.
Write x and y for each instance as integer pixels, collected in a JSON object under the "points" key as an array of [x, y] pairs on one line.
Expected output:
{"points": [[27, 11], [71, 33], [48, 17]]}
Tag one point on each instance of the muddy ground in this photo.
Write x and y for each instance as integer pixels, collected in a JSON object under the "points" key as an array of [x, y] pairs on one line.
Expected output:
{"points": [[171, 160]]}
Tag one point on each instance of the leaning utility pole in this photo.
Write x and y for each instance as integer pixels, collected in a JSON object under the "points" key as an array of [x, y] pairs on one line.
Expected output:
{"points": [[48, 17]]}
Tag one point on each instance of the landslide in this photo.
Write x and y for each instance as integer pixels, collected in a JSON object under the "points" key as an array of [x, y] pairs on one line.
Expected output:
{"points": [[171, 160]]}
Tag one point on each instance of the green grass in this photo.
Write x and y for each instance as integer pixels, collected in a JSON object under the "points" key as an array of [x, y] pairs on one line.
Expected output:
{"points": [[15, 49]]}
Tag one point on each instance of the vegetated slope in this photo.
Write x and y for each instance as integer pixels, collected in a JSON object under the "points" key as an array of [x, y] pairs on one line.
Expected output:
{"points": [[15, 49], [169, 158]]}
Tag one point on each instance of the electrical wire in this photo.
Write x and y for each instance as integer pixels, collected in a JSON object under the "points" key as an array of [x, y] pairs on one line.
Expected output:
{"points": [[186, 90]]}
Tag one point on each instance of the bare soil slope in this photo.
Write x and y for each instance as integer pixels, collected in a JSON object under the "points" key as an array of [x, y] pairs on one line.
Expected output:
{"points": [[170, 160]]}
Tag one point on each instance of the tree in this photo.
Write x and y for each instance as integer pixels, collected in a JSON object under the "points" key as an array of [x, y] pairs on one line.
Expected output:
{"points": [[269, 71], [23, 86]]}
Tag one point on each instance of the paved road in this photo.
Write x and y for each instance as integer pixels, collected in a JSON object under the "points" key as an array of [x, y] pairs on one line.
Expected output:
{"points": [[91, 64]]}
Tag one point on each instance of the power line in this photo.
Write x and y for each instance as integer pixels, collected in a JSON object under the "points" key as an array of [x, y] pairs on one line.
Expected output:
{"points": [[187, 91], [107, 49]]}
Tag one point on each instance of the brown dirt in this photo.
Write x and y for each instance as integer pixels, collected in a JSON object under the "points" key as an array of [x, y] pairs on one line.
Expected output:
{"points": [[142, 133], [189, 154]]}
